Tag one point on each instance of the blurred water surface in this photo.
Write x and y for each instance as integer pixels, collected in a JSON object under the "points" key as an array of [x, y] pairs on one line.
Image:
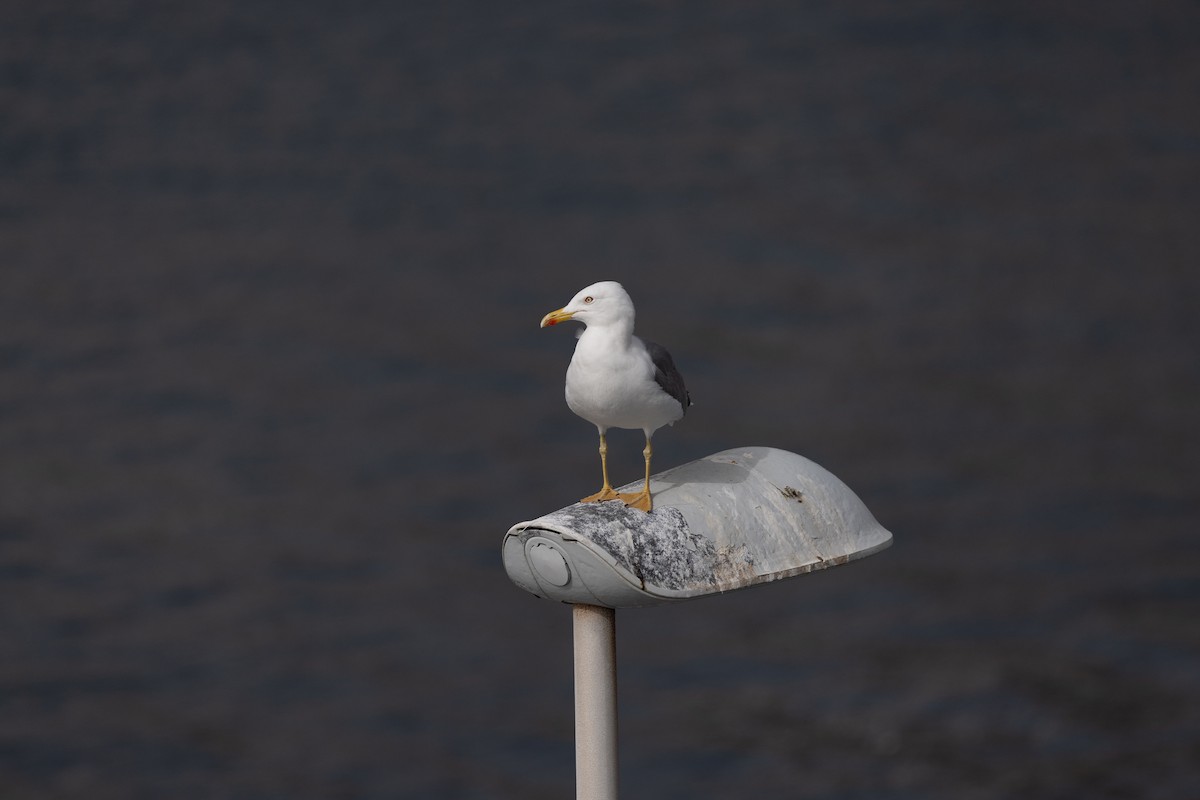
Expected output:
{"points": [[272, 388]]}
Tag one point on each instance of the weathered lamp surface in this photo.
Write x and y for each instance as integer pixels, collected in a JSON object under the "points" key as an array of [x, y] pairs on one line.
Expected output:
{"points": [[733, 519]]}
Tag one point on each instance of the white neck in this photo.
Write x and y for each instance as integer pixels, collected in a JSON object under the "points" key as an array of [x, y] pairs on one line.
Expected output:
{"points": [[613, 336]]}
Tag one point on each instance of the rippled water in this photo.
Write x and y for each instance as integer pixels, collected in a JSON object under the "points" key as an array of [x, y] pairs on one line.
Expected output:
{"points": [[272, 389]]}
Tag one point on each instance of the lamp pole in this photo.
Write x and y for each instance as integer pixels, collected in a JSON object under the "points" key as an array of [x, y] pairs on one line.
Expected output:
{"points": [[595, 702], [737, 518]]}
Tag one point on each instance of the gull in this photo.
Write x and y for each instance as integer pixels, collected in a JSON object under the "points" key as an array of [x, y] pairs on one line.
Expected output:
{"points": [[616, 380]]}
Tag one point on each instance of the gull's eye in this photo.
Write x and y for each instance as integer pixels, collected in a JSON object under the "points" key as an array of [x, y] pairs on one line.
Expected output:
{"points": [[588, 299]]}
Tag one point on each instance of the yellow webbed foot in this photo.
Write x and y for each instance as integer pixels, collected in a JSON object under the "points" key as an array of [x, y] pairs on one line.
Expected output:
{"points": [[605, 493], [640, 500]]}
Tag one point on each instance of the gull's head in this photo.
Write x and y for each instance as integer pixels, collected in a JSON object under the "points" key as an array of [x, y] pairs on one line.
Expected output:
{"points": [[603, 303]]}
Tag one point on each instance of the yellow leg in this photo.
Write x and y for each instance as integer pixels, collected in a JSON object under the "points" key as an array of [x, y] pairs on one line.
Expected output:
{"points": [[642, 499], [606, 491]]}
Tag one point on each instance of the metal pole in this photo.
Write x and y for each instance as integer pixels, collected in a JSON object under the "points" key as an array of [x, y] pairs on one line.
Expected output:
{"points": [[595, 702]]}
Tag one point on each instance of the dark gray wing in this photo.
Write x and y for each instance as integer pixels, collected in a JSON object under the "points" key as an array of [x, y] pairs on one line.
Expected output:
{"points": [[666, 374]]}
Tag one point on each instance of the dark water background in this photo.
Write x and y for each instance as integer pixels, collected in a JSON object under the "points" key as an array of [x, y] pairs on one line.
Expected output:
{"points": [[272, 389]]}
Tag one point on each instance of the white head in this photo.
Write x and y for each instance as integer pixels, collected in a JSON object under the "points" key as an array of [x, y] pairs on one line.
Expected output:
{"points": [[603, 303]]}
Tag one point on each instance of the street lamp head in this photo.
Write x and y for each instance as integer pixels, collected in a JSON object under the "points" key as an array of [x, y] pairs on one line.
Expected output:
{"points": [[731, 520]]}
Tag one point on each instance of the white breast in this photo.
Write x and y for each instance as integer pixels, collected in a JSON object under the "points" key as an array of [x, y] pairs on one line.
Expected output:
{"points": [[610, 383]]}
